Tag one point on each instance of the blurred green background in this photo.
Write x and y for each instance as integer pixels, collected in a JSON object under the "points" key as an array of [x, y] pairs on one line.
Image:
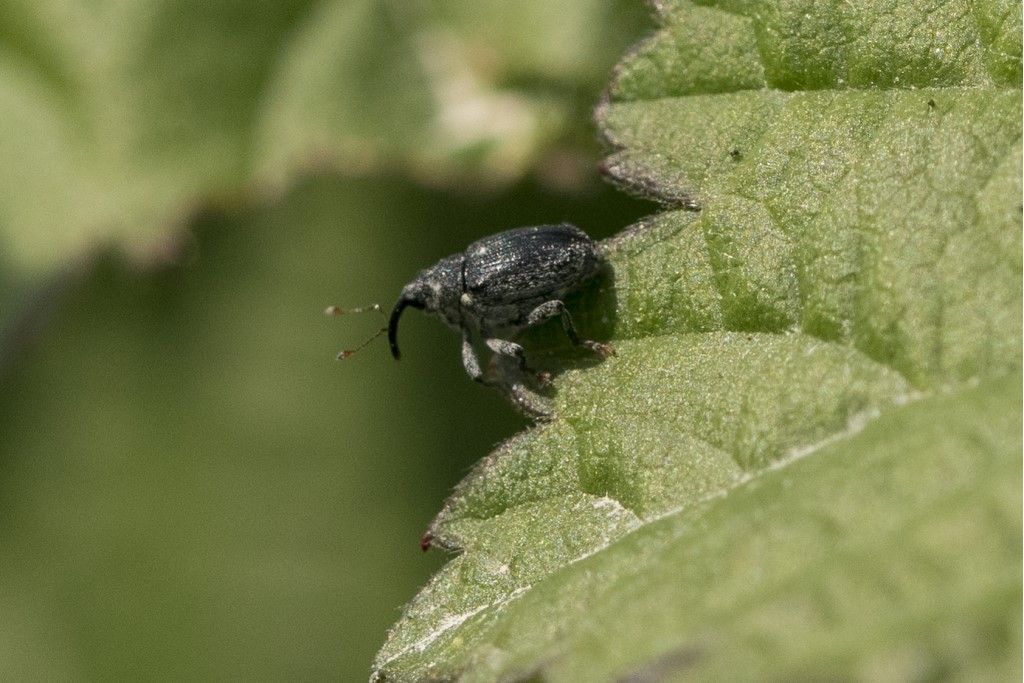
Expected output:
{"points": [[190, 485]]}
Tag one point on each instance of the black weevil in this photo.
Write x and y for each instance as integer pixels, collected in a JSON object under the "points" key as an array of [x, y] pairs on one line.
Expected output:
{"points": [[497, 288]]}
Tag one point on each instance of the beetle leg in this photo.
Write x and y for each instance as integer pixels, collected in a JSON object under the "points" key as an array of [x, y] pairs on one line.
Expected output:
{"points": [[529, 403], [507, 348], [550, 309], [471, 362]]}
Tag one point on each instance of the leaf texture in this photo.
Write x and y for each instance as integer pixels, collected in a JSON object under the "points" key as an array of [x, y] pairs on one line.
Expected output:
{"points": [[805, 460]]}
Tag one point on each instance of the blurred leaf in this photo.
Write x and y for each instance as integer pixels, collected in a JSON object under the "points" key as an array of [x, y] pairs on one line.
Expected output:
{"points": [[805, 460], [121, 118], [194, 489], [474, 91]]}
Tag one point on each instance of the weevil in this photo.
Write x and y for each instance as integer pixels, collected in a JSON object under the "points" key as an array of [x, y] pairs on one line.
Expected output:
{"points": [[497, 288]]}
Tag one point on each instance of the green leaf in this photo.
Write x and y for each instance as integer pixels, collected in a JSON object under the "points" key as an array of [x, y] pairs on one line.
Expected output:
{"points": [[121, 118], [805, 460], [455, 92]]}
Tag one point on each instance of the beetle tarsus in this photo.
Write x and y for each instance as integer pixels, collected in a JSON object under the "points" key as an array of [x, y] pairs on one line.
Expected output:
{"points": [[602, 351], [512, 382]]}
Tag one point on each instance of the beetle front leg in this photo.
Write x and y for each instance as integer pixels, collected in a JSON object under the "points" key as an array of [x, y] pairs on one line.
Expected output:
{"points": [[530, 404], [471, 362], [515, 352], [503, 347], [550, 309], [510, 382]]}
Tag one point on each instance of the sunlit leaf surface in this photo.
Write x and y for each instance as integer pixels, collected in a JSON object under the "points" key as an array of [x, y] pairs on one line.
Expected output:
{"points": [[805, 460]]}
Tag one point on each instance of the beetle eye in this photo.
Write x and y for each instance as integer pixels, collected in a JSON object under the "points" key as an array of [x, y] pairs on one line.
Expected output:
{"points": [[418, 295]]}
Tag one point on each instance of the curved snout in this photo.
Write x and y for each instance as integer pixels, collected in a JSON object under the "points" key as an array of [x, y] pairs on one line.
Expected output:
{"points": [[396, 313]]}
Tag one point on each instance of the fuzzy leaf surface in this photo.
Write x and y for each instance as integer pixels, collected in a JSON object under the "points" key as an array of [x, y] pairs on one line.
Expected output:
{"points": [[805, 460]]}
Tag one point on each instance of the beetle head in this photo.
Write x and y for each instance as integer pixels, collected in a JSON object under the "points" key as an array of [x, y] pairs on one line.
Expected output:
{"points": [[435, 290]]}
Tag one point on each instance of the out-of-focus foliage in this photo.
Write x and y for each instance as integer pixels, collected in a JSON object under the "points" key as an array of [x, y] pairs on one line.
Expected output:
{"points": [[194, 489], [120, 118], [805, 461]]}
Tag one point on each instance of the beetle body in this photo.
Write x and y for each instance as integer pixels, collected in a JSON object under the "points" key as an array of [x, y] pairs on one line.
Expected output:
{"points": [[509, 274], [501, 285]]}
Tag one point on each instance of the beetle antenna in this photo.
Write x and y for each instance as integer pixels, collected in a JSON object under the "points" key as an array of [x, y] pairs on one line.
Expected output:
{"points": [[337, 310], [347, 353]]}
